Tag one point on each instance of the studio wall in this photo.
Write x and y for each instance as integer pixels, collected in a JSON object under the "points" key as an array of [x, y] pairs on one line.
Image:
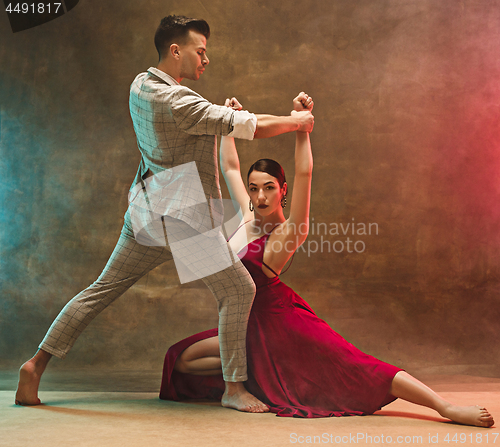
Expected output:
{"points": [[407, 166]]}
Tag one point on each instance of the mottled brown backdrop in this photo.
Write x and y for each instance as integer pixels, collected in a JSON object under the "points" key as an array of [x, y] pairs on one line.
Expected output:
{"points": [[407, 138]]}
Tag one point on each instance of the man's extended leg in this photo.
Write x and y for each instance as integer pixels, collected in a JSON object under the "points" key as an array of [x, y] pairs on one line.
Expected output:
{"points": [[233, 289], [127, 264]]}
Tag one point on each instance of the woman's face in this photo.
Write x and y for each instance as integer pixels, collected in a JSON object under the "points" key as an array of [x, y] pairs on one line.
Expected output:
{"points": [[265, 192]]}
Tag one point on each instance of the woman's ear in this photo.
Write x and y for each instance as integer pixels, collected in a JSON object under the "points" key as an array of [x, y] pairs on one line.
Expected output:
{"points": [[284, 189]]}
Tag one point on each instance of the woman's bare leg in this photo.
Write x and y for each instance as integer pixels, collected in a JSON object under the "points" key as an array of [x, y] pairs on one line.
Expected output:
{"points": [[408, 388], [203, 359], [29, 378]]}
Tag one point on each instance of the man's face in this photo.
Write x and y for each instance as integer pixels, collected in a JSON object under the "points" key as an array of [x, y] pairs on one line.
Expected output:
{"points": [[193, 56]]}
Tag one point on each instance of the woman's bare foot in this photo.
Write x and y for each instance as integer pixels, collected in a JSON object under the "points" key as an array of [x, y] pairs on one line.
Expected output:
{"points": [[29, 379], [237, 397], [468, 415]]}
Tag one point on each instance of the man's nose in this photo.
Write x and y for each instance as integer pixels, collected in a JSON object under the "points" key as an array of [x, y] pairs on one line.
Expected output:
{"points": [[206, 61]]}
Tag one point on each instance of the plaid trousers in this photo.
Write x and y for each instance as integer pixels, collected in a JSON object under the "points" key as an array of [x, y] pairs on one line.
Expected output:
{"points": [[233, 289]]}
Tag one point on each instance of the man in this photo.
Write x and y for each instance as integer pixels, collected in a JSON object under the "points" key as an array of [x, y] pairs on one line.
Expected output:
{"points": [[176, 133]]}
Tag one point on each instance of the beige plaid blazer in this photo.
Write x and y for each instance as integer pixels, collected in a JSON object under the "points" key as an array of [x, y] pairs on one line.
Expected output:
{"points": [[175, 126]]}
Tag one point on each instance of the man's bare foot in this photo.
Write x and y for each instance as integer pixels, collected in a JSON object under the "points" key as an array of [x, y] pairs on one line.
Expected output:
{"points": [[27, 388], [237, 397], [29, 379], [469, 415]]}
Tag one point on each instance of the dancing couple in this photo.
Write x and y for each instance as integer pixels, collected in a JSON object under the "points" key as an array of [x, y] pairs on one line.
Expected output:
{"points": [[297, 365]]}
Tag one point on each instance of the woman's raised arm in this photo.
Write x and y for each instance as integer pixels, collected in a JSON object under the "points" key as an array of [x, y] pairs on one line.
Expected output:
{"points": [[301, 195], [297, 227], [230, 166]]}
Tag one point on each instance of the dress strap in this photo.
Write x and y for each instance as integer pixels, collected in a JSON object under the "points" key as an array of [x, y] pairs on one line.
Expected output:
{"points": [[291, 260], [284, 271], [263, 263], [235, 231]]}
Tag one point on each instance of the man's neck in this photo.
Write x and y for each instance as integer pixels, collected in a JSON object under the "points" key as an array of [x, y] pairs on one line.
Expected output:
{"points": [[170, 70]]}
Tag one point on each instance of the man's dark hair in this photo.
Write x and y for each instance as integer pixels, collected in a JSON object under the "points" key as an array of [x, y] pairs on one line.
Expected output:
{"points": [[175, 29]]}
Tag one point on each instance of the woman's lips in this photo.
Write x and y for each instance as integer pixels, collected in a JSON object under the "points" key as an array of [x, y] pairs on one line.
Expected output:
{"points": [[262, 206]]}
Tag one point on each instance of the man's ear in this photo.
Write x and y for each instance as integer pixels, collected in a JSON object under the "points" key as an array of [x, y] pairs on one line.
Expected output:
{"points": [[174, 51]]}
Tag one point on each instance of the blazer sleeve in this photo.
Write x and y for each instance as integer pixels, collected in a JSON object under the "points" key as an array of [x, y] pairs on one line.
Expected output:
{"points": [[196, 116]]}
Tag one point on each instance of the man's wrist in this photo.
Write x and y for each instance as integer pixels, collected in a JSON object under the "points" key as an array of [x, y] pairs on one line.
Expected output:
{"points": [[295, 123]]}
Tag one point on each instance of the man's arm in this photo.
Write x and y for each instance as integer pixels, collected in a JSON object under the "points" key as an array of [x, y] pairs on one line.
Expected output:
{"points": [[270, 125]]}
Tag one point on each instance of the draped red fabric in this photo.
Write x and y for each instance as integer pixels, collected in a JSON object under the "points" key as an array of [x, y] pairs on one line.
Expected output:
{"points": [[297, 364]]}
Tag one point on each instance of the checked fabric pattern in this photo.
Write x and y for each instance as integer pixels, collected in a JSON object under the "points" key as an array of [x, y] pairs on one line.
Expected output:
{"points": [[174, 126], [233, 289]]}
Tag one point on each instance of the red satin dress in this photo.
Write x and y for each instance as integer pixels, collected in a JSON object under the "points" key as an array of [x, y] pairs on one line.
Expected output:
{"points": [[297, 364]]}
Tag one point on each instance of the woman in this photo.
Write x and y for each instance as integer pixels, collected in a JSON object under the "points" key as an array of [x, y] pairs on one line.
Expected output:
{"points": [[297, 364]]}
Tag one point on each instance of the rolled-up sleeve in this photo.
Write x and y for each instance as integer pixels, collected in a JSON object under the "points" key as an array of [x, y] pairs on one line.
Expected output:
{"points": [[244, 125], [196, 116]]}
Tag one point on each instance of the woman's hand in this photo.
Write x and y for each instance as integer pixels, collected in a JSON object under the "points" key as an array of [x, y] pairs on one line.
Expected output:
{"points": [[302, 102], [233, 103]]}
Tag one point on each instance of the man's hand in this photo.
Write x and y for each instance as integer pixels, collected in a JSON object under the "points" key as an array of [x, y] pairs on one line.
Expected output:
{"points": [[305, 120], [302, 102], [233, 103]]}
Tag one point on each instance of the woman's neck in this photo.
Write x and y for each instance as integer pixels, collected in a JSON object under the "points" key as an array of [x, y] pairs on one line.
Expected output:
{"points": [[264, 224]]}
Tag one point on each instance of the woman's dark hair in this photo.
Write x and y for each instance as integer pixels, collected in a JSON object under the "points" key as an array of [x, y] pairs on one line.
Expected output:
{"points": [[175, 29], [269, 166]]}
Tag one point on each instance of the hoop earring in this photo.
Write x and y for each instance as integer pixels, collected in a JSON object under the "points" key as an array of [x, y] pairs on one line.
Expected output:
{"points": [[283, 202], [250, 206]]}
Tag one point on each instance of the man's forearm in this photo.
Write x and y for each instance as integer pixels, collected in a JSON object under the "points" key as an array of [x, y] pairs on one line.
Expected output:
{"points": [[270, 125]]}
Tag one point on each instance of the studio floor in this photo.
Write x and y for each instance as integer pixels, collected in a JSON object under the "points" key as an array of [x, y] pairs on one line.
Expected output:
{"points": [[106, 417]]}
